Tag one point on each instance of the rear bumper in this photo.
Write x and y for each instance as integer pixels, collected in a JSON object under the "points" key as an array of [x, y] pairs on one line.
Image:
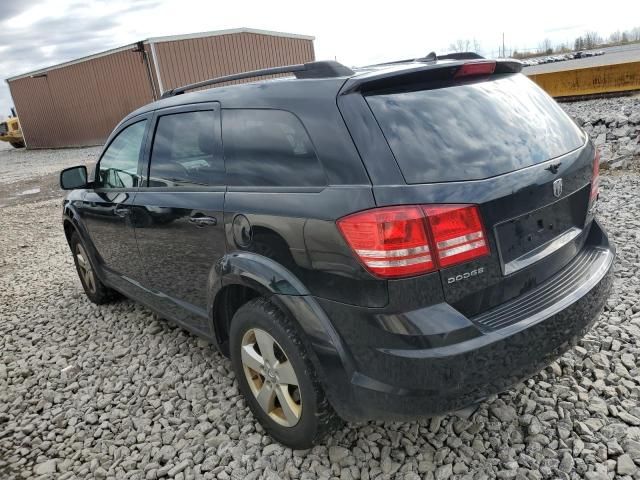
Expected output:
{"points": [[435, 360]]}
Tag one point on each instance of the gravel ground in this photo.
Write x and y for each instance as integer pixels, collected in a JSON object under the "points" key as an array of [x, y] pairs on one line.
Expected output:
{"points": [[614, 127], [112, 392], [28, 175]]}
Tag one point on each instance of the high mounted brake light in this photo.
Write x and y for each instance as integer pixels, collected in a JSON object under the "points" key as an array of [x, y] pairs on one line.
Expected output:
{"points": [[408, 240], [475, 68]]}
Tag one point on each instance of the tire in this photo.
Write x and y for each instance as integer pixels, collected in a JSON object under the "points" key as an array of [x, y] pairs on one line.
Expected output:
{"points": [[310, 416], [95, 290], [17, 144]]}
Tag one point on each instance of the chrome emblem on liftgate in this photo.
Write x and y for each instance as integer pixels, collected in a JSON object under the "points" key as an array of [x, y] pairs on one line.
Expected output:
{"points": [[557, 187]]}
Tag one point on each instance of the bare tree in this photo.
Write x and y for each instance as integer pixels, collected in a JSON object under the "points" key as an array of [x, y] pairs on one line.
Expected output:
{"points": [[615, 37], [465, 45], [460, 45], [592, 39], [545, 46]]}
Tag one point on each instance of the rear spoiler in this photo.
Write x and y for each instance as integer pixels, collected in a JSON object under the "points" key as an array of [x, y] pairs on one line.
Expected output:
{"points": [[427, 69], [431, 57]]}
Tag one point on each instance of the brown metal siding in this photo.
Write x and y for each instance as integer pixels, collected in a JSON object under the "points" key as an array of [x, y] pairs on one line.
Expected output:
{"points": [[80, 104], [193, 60]]}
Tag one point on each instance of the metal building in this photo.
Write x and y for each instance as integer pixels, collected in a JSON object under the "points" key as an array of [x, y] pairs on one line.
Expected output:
{"points": [[78, 103]]}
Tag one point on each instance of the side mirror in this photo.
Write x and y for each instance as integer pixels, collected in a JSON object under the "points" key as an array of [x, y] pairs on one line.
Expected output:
{"points": [[74, 177]]}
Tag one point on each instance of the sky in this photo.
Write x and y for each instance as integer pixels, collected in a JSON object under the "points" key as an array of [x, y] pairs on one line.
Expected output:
{"points": [[40, 33]]}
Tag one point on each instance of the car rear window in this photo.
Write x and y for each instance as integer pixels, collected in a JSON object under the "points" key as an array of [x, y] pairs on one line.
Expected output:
{"points": [[474, 130]]}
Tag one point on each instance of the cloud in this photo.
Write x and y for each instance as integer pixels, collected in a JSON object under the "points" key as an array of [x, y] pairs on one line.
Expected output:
{"points": [[11, 9], [41, 33], [82, 28], [566, 28]]}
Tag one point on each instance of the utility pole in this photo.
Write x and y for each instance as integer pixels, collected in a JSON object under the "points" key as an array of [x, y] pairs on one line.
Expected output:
{"points": [[503, 52]]}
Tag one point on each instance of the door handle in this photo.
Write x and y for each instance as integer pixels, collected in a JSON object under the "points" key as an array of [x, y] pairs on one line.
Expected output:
{"points": [[121, 212], [203, 221]]}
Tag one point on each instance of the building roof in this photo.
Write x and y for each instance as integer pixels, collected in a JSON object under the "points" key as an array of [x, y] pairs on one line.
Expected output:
{"points": [[276, 93], [153, 40]]}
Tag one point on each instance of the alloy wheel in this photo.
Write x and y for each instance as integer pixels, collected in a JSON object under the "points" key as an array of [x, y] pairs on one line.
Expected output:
{"points": [[84, 269], [271, 377]]}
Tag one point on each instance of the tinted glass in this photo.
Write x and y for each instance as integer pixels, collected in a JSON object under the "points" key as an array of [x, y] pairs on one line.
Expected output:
{"points": [[119, 165], [268, 148], [473, 131], [183, 151]]}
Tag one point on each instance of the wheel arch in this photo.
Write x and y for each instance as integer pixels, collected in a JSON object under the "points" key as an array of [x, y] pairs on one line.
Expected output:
{"points": [[331, 359], [246, 275], [69, 229], [71, 224]]}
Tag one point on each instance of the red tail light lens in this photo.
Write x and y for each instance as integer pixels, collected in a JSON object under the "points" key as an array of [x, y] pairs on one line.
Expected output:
{"points": [[457, 232], [595, 181], [475, 68], [390, 242], [410, 240]]}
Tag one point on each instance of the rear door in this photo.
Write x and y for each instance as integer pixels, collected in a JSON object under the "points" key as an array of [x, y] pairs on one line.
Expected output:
{"points": [[497, 141], [179, 224]]}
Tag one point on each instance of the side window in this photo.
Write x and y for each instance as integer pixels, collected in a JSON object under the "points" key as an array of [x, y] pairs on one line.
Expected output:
{"points": [[183, 151], [268, 148], [118, 166]]}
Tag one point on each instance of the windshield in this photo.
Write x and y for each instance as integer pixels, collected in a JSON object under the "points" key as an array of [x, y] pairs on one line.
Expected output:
{"points": [[473, 131]]}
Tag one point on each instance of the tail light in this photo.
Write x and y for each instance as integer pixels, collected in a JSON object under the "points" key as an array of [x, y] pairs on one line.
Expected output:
{"points": [[409, 240], [595, 181], [390, 242], [458, 233]]}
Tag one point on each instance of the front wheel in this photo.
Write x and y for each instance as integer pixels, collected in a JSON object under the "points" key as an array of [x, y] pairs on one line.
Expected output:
{"points": [[276, 376], [95, 290]]}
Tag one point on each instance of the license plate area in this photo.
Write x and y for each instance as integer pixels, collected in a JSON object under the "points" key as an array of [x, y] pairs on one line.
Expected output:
{"points": [[526, 239]]}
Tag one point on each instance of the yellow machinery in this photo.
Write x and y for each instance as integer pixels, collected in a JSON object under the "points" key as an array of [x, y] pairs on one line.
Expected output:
{"points": [[598, 80], [11, 132]]}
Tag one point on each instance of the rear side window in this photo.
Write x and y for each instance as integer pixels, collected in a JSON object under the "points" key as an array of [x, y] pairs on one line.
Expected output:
{"points": [[473, 131], [268, 148], [183, 152]]}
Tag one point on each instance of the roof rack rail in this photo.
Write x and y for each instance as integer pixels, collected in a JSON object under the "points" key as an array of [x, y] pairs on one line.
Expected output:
{"points": [[432, 57], [321, 69]]}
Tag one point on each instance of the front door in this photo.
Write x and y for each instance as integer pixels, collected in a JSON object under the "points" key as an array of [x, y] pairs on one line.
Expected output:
{"points": [[179, 211], [107, 208]]}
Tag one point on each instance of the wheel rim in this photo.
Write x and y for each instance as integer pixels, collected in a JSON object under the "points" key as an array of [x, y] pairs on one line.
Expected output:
{"points": [[271, 377], [84, 269]]}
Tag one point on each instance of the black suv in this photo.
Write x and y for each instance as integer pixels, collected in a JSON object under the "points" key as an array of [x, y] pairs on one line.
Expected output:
{"points": [[386, 243]]}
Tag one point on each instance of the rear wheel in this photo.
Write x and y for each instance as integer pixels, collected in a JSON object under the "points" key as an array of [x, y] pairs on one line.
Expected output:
{"points": [[276, 376], [97, 292]]}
